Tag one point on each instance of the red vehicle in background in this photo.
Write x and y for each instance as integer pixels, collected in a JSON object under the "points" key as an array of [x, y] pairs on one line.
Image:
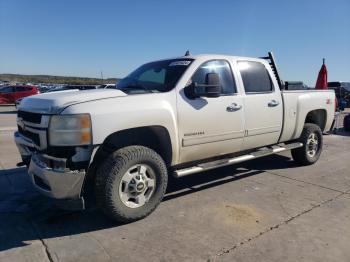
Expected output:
{"points": [[9, 94]]}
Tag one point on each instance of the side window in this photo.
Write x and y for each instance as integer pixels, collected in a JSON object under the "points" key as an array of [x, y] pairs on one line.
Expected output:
{"points": [[223, 69], [8, 89], [255, 77], [21, 89]]}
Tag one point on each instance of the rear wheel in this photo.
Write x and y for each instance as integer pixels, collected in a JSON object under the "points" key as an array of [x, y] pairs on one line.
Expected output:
{"points": [[312, 140], [131, 183]]}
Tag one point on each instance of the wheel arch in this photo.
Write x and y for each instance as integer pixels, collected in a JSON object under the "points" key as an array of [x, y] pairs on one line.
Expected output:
{"points": [[317, 117], [155, 137]]}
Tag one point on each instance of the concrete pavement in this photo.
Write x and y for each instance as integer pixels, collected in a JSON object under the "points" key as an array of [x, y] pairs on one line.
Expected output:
{"points": [[264, 210], [8, 118]]}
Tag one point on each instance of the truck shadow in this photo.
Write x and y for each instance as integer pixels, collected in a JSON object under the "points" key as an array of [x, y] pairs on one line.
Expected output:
{"points": [[39, 219], [201, 181], [8, 113], [341, 132]]}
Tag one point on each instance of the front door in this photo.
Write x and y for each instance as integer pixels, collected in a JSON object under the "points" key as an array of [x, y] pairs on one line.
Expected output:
{"points": [[263, 105], [211, 126]]}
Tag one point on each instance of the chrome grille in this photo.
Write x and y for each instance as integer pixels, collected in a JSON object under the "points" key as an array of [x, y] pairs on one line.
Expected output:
{"points": [[33, 126], [32, 136], [30, 117]]}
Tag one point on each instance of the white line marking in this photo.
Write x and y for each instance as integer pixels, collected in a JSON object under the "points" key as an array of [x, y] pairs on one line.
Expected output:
{"points": [[8, 128]]}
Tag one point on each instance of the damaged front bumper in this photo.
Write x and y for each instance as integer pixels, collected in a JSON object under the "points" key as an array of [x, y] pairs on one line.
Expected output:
{"points": [[51, 177]]}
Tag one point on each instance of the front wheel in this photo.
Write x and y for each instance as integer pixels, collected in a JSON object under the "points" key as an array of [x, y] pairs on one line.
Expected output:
{"points": [[312, 140], [131, 183]]}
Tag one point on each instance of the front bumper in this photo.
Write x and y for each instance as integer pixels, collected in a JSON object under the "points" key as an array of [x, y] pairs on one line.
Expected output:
{"points": [[55, 182], [49, 175]]}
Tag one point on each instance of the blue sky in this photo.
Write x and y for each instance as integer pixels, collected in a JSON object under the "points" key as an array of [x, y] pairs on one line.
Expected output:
{"points": [[81, 38]]}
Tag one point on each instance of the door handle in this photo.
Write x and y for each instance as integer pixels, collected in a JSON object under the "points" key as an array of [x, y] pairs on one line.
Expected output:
{"points": [[273, 103], [233, 107]]}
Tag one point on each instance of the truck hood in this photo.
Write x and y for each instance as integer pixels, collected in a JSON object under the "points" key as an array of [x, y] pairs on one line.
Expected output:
{"points": [[54, 102]]}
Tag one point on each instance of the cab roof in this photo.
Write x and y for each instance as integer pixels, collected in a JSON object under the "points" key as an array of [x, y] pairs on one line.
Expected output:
{"points": [[216, 56]]}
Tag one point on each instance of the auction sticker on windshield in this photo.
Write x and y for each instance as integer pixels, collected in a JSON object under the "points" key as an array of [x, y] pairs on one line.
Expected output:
{"points": [[180, 63]]}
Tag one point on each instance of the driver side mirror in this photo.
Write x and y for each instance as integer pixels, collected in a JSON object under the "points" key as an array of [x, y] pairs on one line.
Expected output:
{"points": [[211, 88]]}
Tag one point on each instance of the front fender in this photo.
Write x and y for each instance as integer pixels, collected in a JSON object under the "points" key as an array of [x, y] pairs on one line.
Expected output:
{"points": [[116, 114]]}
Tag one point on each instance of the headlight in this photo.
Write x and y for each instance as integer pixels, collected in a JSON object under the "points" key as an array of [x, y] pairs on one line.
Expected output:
{"points": [[70, 130]]}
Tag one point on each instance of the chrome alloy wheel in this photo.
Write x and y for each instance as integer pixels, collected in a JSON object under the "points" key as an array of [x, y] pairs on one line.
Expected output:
{"points": [[312, 145], [137, 186]]}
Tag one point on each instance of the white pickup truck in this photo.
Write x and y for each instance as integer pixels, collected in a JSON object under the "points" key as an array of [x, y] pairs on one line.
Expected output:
{"points": [[175, 117]]}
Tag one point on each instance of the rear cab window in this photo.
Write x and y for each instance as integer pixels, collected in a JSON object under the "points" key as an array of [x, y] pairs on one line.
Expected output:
{"points": [[256, 79]]}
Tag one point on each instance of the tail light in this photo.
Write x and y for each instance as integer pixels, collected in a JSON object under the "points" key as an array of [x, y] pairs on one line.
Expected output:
{"points": [[329, 101]]}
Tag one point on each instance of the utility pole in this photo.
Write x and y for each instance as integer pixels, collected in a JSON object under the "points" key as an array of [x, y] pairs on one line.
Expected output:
{"points": [[102, 76]]}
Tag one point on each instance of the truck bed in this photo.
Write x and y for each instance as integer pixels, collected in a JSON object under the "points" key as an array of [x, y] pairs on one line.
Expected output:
{"points": [[297, 106]]}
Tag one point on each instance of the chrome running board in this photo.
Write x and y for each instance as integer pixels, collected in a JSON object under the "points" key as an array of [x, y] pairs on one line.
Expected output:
{"points": [[230, 161]]}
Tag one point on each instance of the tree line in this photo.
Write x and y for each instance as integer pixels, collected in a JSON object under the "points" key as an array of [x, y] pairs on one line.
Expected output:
{"points": [[48, 79]]}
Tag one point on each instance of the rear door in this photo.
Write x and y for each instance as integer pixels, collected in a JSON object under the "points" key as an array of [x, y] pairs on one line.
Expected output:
{"points": [[263, 107]]}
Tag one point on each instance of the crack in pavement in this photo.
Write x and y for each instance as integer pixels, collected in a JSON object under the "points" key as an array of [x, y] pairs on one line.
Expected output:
{"points": [[245, 241], [46, 248], [309, 183]]}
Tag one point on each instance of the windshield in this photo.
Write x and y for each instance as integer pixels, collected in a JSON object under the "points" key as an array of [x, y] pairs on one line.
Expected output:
{"points": [[160, 76]]}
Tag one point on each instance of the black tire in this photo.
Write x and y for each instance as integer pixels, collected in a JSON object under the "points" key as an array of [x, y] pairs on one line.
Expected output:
{"points": [[300, 155], [347, 123], [109, 176]]}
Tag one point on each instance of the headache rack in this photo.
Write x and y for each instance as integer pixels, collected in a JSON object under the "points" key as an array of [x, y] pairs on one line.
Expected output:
{"points": [[272, 62]]}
